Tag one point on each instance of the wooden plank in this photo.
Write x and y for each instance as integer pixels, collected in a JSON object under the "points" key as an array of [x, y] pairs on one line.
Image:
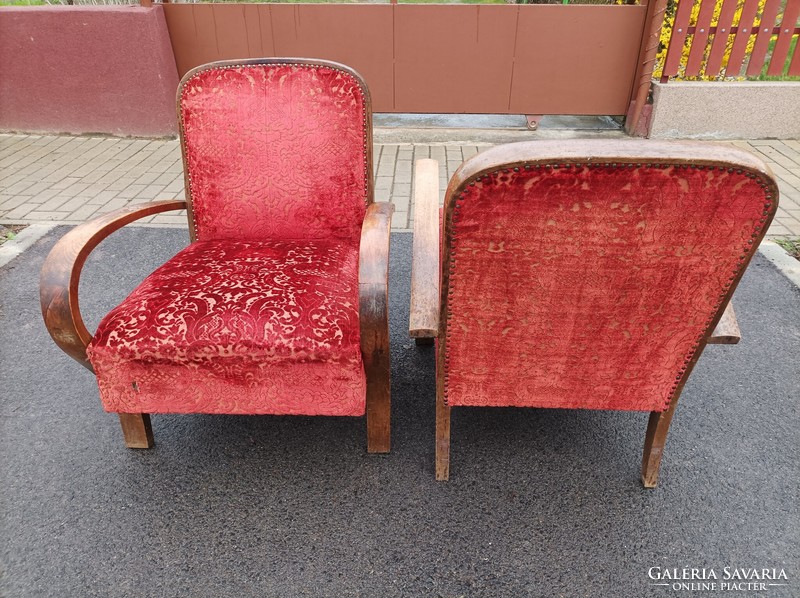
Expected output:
{"points": [[700, 38], [454, 58], [720, 42], [678, 38], [578, 59], [781, 50], [424, 319], [745, 30], [758, 55], [727, 330]]}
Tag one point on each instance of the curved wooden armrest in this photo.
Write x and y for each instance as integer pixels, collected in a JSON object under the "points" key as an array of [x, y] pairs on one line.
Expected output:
{"points": [[58, 284], [373, 265], [373, 286], [727, 330], [424, 320]]}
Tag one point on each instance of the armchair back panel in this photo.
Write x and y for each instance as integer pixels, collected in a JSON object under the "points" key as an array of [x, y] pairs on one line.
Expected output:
{"points": [[276, 149], [587, 283]]}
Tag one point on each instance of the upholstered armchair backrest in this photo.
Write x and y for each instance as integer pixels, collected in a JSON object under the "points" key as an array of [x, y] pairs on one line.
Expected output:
{"points": [[590, 281], [276, 149]]}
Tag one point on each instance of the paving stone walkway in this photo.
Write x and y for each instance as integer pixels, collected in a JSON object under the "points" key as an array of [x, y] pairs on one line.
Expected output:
{"points": [[69, 180]]}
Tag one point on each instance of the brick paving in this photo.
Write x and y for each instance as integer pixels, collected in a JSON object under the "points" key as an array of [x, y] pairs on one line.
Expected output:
{"points": [[64, 179]]}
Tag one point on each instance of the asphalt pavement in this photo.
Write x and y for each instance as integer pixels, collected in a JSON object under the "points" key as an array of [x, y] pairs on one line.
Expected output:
{"points": [[539, 503]]}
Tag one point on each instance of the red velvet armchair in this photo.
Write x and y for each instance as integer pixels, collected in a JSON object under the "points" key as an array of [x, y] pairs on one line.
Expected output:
{"points": [[279, 303], [582, 274]]}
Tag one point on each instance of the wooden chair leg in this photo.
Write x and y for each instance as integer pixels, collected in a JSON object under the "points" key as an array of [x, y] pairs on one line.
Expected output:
{"points": [[423, 341], [137, 430], [442, 438], [656, 438], [379, 407]]}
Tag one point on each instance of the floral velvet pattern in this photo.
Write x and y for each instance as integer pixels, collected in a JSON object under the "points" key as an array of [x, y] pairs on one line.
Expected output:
{"points": [[275, 152], [238, 327], [590, 286]]}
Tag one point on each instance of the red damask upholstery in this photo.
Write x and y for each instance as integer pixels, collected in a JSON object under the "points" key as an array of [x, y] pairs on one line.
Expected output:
{"points": [[238, 327], [275, 152], [585, 274], [591, 286], [263, 313]]}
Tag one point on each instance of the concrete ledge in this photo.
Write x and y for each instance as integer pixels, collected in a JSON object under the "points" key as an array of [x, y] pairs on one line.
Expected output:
{"points": [[87, 69], [788, 266], [726, 110], [26, 238]]}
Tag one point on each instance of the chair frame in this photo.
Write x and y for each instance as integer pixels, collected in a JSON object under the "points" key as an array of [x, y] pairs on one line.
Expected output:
{"points": [[61, 273], [429, 288]]}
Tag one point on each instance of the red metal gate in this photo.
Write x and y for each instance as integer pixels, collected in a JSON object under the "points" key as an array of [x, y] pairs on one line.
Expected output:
{"points": [[518, 59], [713, 37]]}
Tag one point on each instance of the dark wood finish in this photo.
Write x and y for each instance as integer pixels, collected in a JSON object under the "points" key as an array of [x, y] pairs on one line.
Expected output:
{"points": [[424, 318], [727, 329], [655, 439], [58, 295], [722, 328], [58, 284], [137, 430], [658, 428], [442, 429], [373, 282]]}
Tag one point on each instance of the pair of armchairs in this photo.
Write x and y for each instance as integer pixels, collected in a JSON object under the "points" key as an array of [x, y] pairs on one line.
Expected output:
{"points": [[584, 274]]}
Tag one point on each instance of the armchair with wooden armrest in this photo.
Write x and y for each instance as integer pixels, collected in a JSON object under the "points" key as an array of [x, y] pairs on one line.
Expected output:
{"points": [[588, 274], [279, 305]]}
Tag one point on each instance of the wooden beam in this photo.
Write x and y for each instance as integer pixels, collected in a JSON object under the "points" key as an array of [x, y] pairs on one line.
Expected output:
{"points": [[424, 320]]}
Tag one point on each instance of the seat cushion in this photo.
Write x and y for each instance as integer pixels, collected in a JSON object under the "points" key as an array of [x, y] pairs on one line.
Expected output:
{"points": [[238, 327]]}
